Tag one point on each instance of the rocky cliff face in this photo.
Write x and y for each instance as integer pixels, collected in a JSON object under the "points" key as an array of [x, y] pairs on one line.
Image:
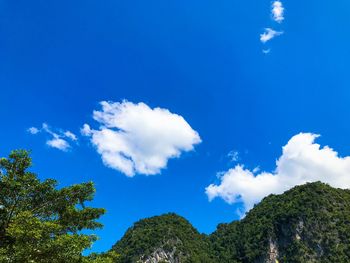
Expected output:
{"points": [[272, 254], [167, 252], [160, 255]]}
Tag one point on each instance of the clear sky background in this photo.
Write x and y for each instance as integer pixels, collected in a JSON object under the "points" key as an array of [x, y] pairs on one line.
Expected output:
{"points": [[202, 60]]}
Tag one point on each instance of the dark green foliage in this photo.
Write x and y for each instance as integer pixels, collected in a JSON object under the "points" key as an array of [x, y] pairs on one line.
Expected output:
{"points": [[109, 257], [309, 223], [226, 243], [166, 232]]}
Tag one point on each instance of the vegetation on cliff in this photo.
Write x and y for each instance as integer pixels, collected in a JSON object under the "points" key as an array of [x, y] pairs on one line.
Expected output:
{"points": [[169, 233], [309, 223]]}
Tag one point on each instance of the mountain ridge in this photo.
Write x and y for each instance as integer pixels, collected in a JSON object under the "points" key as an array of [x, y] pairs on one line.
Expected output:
{"points": [[308, 223]]}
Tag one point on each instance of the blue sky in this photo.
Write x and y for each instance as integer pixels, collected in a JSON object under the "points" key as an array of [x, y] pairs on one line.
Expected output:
{"points": [[201, 60]]}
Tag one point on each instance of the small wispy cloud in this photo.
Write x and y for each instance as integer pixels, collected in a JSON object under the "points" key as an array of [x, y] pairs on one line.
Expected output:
{"points": [[58, 143], [277, 15], [256, 170], [269, 34], [277, 11], [59, 139], [233, 156], [70, 135], [33, 130]]}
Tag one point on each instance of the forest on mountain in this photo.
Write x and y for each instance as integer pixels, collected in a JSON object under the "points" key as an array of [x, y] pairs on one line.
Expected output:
{"points": [[40, 222]]}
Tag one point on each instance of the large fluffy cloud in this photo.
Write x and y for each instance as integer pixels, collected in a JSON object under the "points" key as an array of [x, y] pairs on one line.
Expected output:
{"points": [[133, 138], [302, 161]]}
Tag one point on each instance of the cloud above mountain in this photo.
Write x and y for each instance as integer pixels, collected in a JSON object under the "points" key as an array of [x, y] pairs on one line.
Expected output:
{"points": [[136, 139], [302, 161]]}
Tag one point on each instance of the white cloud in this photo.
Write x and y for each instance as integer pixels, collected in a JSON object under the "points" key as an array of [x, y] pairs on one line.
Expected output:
{"points": [[266, 51], [58, 139], [58, 143], [33, 130], [277, 11], [133, 138], [269, 34], [256, 169], [70, 135], [233, 156], [302, 161], [86, 130]]}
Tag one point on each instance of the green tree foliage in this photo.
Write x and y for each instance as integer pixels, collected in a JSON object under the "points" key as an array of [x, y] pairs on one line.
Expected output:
{"points": [[40, 223], [109, 257]]}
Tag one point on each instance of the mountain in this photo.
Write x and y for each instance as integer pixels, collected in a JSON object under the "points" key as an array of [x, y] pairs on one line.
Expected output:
{"points": [[166, 238], [309, 223]]}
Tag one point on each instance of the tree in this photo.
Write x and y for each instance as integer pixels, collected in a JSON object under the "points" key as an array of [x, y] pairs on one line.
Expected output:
{"points": [[38, 222], [109, 257]]}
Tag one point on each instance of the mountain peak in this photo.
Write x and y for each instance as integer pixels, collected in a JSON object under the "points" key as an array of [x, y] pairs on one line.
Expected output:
{"points": [[167, 238]]}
